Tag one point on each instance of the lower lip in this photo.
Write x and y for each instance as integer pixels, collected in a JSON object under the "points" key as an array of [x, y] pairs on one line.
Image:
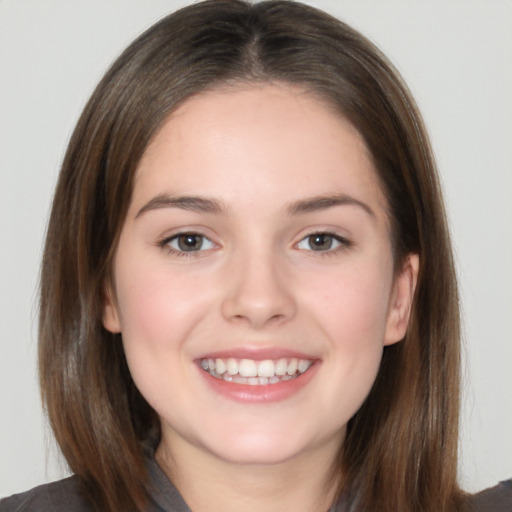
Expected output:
{"points": [[260, 394]]}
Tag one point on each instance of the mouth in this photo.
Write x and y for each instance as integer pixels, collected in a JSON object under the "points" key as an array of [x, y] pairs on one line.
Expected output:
{"points": [[255, 372]]}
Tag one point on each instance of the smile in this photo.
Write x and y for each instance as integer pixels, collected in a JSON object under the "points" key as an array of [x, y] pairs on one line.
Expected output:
{"points": [[255, 373]]}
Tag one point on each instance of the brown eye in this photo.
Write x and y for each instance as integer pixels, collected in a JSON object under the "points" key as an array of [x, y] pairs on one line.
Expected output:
{"points": [[322, 242], [189, 242]]}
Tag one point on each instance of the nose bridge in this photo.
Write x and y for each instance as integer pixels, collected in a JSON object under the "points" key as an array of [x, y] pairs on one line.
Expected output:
{"points": [[257, 290]]}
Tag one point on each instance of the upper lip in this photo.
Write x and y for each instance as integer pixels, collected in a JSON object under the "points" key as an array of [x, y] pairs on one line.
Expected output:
{"points": [[257, 353]]}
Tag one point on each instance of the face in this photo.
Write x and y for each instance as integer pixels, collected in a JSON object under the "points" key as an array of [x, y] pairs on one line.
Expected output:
{"points": [[253, 282]]}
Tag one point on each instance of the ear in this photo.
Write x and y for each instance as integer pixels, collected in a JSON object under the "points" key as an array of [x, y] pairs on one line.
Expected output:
{"points": [[401, 300], [110, 319]]}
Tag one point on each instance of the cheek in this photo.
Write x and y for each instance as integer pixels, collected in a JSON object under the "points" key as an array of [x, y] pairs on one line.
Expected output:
{"points": [[352, 304], [351, 310], [155, 301], [158, 310]]}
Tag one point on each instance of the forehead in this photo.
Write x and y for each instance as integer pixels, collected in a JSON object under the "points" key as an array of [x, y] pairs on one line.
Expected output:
{"points": [[270, 141]]}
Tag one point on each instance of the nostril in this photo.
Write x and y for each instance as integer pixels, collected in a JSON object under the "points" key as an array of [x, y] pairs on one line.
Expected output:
{"points": [[258, 297]]}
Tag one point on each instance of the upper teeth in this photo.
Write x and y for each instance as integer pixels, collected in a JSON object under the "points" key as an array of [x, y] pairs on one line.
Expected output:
{"points": [[251, 368]]}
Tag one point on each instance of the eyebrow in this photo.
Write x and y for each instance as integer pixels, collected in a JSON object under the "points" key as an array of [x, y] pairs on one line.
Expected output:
{"points": [[319, 203], [190, 203], [209, 205]]}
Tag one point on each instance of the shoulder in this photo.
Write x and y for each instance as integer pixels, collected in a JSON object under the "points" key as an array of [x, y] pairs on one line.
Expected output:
{"points": [[58, 496], [494, 499]]}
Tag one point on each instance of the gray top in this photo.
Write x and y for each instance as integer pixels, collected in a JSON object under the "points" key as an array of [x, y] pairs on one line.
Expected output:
{"points": [[495, 499], [65, 496]]}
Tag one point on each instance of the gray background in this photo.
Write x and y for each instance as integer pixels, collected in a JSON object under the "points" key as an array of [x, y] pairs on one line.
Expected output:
{"points": [[457, 58]]}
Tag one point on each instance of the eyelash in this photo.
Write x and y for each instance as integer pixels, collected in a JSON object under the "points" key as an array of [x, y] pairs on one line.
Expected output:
{"points": [[344, 243], [165, 244]]}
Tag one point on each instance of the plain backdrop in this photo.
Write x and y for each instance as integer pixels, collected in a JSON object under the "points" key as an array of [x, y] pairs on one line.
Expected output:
{"points": [[457, 58]]}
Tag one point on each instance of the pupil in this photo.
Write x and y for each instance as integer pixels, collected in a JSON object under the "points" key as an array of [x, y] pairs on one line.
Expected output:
{"points": [[320, 242], [190, 242]]}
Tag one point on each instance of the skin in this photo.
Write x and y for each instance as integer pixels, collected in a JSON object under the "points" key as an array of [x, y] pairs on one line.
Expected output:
{"points": [[256, 283]]}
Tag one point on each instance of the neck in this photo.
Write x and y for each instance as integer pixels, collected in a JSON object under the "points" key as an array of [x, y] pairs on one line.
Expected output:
{"points": [[208, 484]]}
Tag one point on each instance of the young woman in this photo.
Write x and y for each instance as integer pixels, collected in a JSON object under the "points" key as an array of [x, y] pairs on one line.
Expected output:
{"points": [[248, 298]]}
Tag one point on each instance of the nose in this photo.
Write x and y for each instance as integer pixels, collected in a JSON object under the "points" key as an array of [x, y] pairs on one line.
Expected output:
{"points": [[258, 292]]}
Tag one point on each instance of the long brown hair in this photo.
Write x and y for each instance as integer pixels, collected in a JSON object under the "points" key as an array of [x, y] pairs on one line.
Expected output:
{"points": [[400, 452]]}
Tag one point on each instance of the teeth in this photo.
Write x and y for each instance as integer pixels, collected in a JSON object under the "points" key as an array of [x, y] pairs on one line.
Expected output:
{"points": [[292, 367], [303, 365], [281, 367], [220, 366], [232, 366], [266, 368], [255, 373], [247, 368]]}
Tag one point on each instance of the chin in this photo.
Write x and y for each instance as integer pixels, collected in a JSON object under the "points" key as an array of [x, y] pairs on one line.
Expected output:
{"points": [[257, 450], [266, 446]]}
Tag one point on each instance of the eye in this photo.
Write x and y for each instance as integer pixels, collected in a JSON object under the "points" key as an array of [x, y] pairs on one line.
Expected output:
{"points": [[188, 242], [322, 242]]}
